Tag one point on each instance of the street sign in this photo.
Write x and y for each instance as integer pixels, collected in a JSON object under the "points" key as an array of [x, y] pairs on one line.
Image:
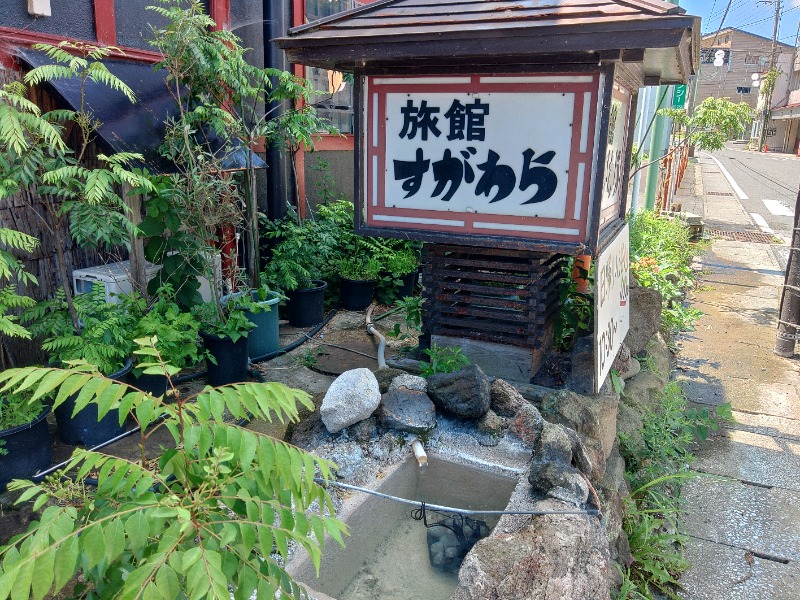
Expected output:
{"points": [[611, 306], [679, 96]]}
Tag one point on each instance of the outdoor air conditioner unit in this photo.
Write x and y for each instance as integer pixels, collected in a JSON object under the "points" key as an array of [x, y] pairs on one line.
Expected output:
{"points": [[115, 277]]}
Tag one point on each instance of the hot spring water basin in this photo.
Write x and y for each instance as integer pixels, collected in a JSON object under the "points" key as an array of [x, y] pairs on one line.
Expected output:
{"points": [[386, 553]]}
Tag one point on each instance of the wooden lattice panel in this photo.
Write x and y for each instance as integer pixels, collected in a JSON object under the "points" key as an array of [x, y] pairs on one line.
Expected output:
{"points": [[493, 295]]}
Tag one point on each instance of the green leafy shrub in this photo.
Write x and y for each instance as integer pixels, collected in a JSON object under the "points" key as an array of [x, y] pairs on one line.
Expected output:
{"points": [[656, 466], [176, 330], [212, 516], [412, 312], [103, 339], [575, 311], [443, 359], [359, 268], [661, 258]]}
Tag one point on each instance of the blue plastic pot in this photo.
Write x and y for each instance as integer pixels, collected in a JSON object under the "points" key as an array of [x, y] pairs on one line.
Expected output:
{"points": [[265, 337]]}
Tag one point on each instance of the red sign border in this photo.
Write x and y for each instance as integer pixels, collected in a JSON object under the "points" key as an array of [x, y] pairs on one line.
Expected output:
{"points": [[371, 151]]}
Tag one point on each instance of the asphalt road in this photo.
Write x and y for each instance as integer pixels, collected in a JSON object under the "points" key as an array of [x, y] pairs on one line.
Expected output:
{"points": [[766, 185]]}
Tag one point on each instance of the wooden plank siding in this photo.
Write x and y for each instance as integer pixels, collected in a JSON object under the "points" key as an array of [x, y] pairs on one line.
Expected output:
{"points": [[748, 54]]}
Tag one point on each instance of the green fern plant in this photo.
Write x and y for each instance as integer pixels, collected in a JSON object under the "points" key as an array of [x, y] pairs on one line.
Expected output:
{"points": [[37, 159], [213, 516], [104, 338], [12, 271]]}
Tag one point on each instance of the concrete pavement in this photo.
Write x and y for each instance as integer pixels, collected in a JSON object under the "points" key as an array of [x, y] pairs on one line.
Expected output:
{"points": [[743, 526]]}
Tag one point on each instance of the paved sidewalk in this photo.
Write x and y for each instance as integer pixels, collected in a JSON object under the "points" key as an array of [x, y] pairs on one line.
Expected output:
{"points": [[744, 528]]}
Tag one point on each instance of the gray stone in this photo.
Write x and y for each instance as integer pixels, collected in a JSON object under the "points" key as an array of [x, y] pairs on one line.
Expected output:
{"points": [[407, 410], [720, 571], [553, 445], [580, 457], [349, 459], [593, 417], [625, 364], [629, 422], [643, 391], [492, 423], [506, 399], [352, 397], [527, 425], [613, 489], [659, 357], [554, 557], [385, 377], [645, 318], [581, 376], [411, 382], [364, 431], [464, 393], [560, 481]]}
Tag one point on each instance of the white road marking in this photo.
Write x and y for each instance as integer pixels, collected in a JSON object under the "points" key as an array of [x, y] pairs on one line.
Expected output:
{"points": [[762, 223], [778, 209], [739, 191]]}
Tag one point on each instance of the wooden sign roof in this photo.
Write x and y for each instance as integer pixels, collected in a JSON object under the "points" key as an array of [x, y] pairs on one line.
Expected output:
{"points": [[657, 35]]}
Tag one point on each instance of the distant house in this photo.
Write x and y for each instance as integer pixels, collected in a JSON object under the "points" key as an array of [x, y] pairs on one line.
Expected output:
{"points": [[744, 55]]}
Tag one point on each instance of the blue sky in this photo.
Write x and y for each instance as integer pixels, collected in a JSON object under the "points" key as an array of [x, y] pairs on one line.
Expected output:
{"points": [[749, 15]]}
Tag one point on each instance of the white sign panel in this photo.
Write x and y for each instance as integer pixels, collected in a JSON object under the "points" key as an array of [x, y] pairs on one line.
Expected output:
{"points": [[484, 152], [612, 311]]}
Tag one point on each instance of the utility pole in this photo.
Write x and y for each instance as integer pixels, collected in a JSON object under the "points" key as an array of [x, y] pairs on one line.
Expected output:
{"points": [[789, 316], [768, 96]]}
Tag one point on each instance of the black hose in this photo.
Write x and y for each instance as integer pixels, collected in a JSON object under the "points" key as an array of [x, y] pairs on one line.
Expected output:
{"points": [[296, 343]]}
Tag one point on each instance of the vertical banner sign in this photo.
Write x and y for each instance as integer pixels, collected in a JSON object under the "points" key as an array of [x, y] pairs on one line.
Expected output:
{"points": [[480, 155], [611, 308], [679, 96], [614, 177]]}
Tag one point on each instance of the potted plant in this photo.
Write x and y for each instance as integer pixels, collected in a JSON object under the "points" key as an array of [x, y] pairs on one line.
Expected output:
{"points": [[224, 329], [264, 338], [403, 268], [176, 331], [25, 444], [103, 340], [302, 254], [211, 514], [358, 273]]}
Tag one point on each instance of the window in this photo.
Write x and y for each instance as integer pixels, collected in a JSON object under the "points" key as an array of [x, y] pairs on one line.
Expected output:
{"points": [[707, 56], [337, 105]]}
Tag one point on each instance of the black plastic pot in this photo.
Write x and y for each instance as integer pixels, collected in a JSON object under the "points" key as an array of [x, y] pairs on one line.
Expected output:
{"points": [[231, 357], [85, 428], [356, 294], [306, 307], [153, 384], [409, 283], [28, 448]]}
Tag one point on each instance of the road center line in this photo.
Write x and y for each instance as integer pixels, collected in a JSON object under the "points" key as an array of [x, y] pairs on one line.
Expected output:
{"points": [[739, 191]]}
